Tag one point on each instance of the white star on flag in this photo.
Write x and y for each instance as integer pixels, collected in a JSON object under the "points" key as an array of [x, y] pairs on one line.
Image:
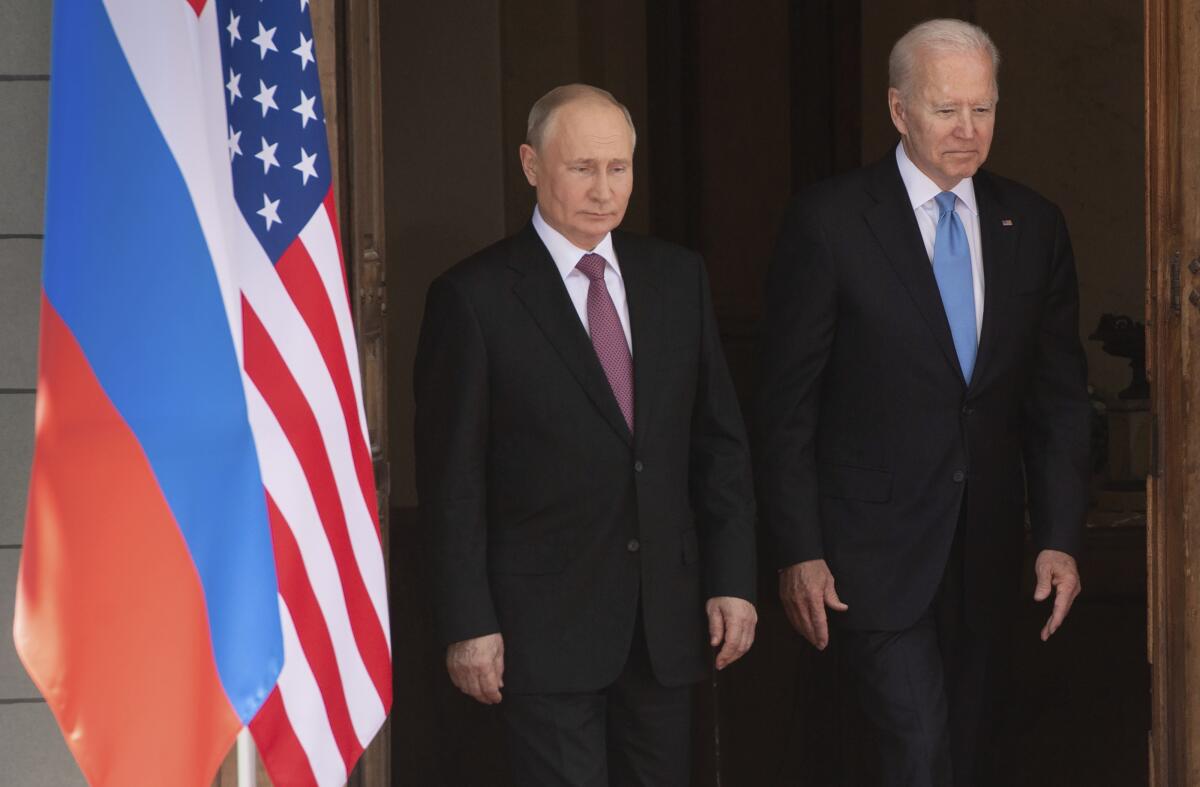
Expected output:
{"points": [[232, 86], [235, 147], [304, 51], [265, 97], [270, 211], [306, 165], [265, 40], [305, 109], [267, 156], [303, 5], [234, 34]]}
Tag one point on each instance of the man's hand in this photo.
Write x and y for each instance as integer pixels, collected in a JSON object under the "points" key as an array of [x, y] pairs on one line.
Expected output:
{"points": [[806, 589], [1056, 570], [730, 621], [476, 667]]}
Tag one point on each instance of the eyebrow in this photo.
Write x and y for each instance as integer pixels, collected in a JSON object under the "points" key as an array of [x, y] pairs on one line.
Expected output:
{"points": [[593, 161]]}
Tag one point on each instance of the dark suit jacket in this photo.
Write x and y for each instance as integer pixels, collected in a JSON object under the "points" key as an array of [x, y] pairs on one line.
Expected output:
{"points": [[546, 519], [871, 439]]}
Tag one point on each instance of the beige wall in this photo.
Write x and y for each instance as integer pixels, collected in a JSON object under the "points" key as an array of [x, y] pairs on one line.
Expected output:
{"points": [[1069, 124]]}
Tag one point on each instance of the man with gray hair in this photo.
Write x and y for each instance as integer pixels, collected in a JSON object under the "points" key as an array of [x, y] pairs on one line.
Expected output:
{"points": [[922, 381], [583, 471]]}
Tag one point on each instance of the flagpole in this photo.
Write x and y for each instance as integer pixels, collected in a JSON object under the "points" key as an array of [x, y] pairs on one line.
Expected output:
{"points": [[247, 772]]}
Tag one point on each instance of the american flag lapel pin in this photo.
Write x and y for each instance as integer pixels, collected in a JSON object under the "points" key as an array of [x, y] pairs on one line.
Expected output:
{"points": [[1006, 222]]}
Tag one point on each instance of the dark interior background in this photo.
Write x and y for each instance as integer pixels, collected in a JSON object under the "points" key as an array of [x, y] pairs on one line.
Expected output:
{"points": [[738, 105]]}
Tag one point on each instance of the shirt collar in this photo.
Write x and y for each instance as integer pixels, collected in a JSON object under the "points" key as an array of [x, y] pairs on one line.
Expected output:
{"points": [[566, 255], [921, 189]]}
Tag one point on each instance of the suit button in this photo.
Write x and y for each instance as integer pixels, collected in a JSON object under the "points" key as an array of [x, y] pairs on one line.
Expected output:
{"points": [[959, 476], [637, 467], [633, 545]]}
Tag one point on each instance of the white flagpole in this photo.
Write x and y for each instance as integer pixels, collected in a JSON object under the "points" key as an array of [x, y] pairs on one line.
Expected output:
{"points": [[246, 765]]}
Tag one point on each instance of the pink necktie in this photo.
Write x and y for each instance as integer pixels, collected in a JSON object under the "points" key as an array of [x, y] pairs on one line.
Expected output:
{"points": [[608, 338]]}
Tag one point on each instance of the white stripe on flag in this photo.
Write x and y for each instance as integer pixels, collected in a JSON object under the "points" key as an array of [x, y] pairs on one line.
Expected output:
{"points": [[302, 701], [284, 479], [279, 316], [317, 236]]}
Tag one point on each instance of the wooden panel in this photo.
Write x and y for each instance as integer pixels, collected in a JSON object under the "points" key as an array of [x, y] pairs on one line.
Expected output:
{"points": [[1173, 336]]}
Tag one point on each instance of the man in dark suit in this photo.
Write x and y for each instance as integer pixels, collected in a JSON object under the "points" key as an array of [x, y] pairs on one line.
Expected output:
{"points": [[583, 470], [921, 346]]}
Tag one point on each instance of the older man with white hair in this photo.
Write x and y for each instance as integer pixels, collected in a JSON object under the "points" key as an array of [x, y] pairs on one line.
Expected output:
{"points": [[922, 384]]}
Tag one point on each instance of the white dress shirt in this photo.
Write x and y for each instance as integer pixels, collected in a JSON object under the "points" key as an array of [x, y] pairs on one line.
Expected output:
{"points": [[921, 193], [566, 256]]}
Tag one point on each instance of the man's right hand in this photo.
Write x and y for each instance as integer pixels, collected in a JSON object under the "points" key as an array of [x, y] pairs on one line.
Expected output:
{"points": [[806, 589], [476, 667]]}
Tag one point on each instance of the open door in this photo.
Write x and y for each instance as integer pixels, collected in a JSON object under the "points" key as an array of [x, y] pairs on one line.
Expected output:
{"points": [[1173, 359]]}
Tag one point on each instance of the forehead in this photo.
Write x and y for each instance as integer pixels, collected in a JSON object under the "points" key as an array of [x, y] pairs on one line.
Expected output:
{"points": [[590, 125], [955, 75]]}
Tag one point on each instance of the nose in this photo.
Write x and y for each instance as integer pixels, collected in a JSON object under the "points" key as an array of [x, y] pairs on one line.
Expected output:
{"points": [[601, 190], [966, 124]]}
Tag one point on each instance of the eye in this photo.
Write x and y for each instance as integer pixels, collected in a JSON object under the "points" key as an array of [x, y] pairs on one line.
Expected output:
{"points": [[983, 110], [619, 170], [945, 112]]}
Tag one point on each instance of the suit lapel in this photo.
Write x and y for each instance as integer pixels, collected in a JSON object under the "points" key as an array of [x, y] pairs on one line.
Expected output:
{"points": [[999, 256], [895, 228], [544, 295], [645, 324]]}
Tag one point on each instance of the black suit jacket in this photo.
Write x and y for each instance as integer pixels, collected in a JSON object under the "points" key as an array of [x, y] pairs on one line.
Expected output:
{"points": [[871, 439], [547, 519]]}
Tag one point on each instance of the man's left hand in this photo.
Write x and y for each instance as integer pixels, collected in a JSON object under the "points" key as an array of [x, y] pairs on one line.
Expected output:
{"points": [[1056, 570], [730, 621]]}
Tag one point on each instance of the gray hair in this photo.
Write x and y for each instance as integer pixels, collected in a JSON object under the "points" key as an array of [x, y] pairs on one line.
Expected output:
{"points": [[544, 108], [938, 35]]}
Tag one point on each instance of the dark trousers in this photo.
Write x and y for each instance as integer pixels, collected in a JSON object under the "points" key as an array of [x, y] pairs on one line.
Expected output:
{"points": [[930, 691], [634, 732]]}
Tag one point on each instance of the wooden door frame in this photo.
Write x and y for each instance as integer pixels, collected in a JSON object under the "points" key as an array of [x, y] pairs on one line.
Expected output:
{"points": [[347, 38], [1172, 33]]}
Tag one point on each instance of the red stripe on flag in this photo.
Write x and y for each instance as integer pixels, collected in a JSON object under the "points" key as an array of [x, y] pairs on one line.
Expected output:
{"points": [[278, 745], [197, 5], [313, 633], [279, 389], [110, 617], [303, 283]]}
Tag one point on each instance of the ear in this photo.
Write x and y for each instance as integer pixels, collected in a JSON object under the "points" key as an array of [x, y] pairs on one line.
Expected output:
{"points": [[897, 110], [529, 164]]}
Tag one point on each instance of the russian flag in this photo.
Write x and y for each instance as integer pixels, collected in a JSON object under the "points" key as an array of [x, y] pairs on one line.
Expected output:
{"points": [[201, 546]]}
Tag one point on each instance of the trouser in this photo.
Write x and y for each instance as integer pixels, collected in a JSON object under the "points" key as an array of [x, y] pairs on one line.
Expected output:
{"points": [[931, 691], [633, 732]]}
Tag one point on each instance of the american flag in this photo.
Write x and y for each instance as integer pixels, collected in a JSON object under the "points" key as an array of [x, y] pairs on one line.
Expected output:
{"points": [[305, 404]]}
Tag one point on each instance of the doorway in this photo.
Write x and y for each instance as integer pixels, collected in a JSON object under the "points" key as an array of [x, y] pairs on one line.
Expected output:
{"points": [[736, 112]]}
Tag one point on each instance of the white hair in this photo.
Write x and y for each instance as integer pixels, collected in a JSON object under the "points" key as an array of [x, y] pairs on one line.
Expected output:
{"points": [[938, 35], [542, 112]]}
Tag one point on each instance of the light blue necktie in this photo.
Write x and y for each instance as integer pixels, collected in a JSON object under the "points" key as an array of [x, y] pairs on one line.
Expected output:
{"points": [[952, 269]]}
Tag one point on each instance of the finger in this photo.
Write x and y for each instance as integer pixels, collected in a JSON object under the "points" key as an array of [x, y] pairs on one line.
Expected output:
{"points": [[820, 624], [832, 601], [1044, 577], [716, 626], [805, 613], [489, 687], [1064, 596]]}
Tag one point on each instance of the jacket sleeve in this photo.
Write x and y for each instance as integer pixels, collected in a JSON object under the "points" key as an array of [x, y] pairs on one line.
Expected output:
{"points": [[451, 386], [1056, 412], [794, 346], [720, 483]]}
